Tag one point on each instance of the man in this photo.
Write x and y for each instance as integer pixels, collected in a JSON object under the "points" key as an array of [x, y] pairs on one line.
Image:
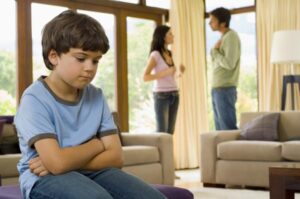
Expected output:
{"points": [[226, 66]]}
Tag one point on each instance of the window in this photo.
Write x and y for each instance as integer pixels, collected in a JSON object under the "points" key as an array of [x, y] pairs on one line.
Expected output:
{"points": [[8, 57], [159, 3], [128, 1], [229, 4], [41, 14], [105, 77], [141, 108], [244, 25]]}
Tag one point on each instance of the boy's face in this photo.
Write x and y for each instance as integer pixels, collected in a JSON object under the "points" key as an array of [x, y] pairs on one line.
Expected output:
{"points": [[76, 68]]}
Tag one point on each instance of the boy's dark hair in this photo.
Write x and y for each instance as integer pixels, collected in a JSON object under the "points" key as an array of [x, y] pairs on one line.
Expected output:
{"points": [[72, 30], [223, 15], [158, 39]]}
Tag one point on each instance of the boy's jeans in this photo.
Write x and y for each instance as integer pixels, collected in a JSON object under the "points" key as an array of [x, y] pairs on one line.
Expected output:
{"points": [[110, 183], [166, 106], [223, 100]]}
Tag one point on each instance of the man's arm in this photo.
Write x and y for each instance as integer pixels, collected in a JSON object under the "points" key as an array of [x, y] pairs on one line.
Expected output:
{"points": [[110, 157], [60, 160]]}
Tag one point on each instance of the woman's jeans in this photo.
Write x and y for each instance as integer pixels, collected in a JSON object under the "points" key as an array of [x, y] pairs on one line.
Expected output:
{"points": [[166, 106], [223, 100], [110, 183]]}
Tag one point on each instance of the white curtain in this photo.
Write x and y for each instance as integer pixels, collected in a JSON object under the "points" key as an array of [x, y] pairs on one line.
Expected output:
{"points": [[187, 24], [274, 15]]}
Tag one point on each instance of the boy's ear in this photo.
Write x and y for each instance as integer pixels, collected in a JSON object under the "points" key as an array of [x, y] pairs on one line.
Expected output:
{"points": [[53, 57]]}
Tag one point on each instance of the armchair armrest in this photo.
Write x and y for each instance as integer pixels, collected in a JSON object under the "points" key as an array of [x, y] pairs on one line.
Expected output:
{"points": [[164, 143], [208, 148]]}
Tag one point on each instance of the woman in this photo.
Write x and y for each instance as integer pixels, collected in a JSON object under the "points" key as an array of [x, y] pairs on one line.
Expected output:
{"points": [[161, 69]]}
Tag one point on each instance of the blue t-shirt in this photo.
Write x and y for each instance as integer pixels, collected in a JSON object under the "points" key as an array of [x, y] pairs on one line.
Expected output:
{"points": [[42, 114]]}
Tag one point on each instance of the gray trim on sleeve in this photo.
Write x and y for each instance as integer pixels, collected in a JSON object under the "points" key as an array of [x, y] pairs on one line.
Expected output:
{"points": [[39, 137], [107, 132]]}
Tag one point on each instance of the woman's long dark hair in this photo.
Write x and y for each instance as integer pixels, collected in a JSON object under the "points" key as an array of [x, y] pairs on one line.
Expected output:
{"points": [[158, 40]]}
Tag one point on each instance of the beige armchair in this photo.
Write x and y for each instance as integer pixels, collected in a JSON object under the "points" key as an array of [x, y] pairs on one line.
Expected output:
{"points": [[148, 156]]}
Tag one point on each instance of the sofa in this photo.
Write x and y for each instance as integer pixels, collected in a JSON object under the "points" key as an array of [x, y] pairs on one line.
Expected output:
{"points": [[226, 160], [148, 156]]}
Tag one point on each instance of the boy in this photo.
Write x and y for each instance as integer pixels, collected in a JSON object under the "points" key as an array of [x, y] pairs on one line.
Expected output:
{"points": [[69, 143]]}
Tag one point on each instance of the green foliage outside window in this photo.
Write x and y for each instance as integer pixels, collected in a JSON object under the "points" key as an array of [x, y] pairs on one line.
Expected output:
{"points": [[7, 83], [141, 109]]}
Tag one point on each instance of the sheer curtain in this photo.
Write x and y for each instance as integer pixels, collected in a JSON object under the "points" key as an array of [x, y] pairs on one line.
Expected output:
{"points": [[274, 15], [187, 23]]}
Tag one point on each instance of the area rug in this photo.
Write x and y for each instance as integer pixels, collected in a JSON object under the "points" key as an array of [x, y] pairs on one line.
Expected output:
{"points": [[219, 193]]}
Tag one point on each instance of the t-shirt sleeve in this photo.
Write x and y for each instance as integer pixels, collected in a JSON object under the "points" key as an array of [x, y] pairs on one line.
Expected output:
{"points": [[107, 125], [33, 121], [155, 55]]}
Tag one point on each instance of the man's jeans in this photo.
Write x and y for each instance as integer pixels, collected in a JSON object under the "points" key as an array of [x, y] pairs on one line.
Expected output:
{"points": [[166, 106], [110, 183], [223, 100]]}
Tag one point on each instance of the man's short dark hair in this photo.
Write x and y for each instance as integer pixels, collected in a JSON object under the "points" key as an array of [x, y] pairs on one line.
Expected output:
{"points": [[223, 15], [72, 30]]}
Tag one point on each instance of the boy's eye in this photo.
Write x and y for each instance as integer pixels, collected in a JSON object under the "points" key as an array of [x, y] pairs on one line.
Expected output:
{"points": [[80, 59], [95, 61]]}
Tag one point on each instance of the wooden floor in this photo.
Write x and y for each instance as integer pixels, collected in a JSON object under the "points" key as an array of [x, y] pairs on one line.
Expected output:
{"points": [[188, 178]]}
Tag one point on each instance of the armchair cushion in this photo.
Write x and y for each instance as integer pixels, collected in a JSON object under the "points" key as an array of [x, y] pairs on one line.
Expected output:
{"points": [[138, 154], [1, 126], [117, 123], [263, 128], [290, 150], [9, 142]]}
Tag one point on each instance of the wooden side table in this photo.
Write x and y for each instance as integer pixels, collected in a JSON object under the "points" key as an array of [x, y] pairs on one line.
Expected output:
{"points": [[284, 182]]}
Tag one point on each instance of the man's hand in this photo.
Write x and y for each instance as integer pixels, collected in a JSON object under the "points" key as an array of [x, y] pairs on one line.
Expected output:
{"points": [[218, 44], [37, 167]]}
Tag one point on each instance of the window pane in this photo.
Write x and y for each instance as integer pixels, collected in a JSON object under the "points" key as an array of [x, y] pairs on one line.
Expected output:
{"points": [[141, 109], [41, 14], [229, 4], [8, 57], [244, 25], [105, 77], [128, 1], [159, 3]]}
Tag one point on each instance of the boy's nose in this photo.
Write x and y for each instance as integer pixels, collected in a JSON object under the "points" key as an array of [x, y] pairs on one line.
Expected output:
{"points": [[90, 66]]}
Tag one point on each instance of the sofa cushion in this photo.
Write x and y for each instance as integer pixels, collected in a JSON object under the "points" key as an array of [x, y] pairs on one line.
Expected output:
{"points": [[134, 155], [289, 125], [290, 150], [263, 127], [9, 142], [249, 150]]}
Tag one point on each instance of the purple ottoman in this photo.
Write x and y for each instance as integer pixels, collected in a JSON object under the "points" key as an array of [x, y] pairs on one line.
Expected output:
{"points": [[10, 192], [172, 192], [13, 192]]}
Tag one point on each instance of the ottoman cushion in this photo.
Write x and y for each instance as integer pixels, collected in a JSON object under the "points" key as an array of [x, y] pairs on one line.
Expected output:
{"points": [[174, 192]]}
